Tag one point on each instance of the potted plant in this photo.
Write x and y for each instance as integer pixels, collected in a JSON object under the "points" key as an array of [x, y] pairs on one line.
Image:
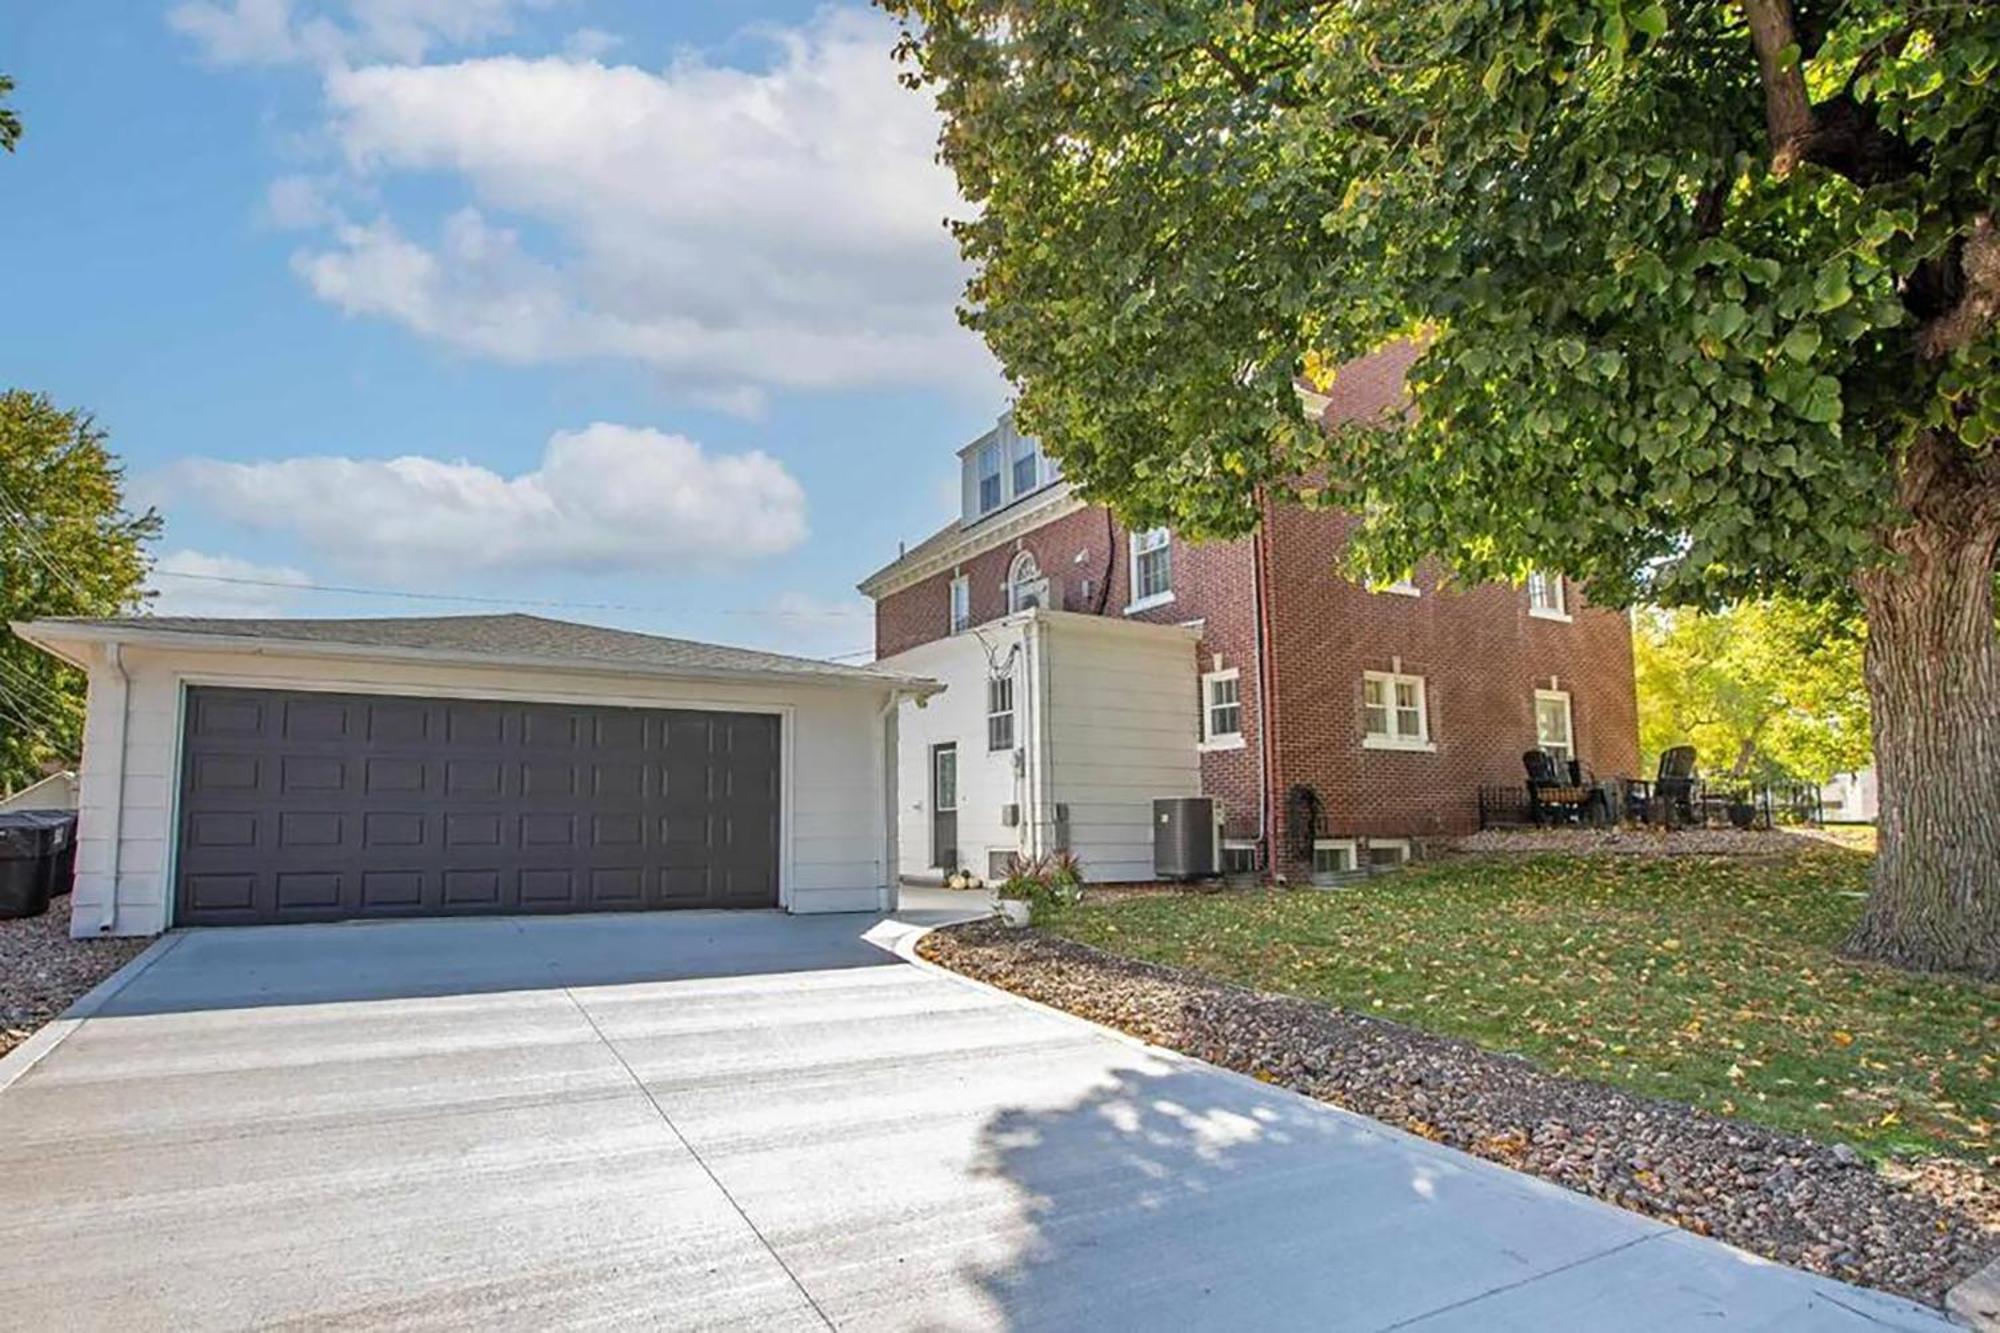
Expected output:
{"points": [[1037, 883]]}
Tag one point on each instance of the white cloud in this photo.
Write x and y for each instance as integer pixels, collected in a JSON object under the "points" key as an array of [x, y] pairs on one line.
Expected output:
{"points": [[591, 44], [603, 498], [279, 32], [191, 583], [297, 203], [735, 230]]}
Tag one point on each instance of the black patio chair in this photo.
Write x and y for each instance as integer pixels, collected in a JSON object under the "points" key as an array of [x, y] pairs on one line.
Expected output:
{"points": [[1671, 801], [1554, 794]]}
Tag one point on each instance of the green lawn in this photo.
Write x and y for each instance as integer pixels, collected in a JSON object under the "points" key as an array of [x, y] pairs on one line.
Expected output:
{"points": [[1709, 981]]}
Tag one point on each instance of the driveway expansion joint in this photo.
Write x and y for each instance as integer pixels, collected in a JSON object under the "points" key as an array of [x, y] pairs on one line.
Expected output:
{"points": [[699, 1160], [1529, 1280]]}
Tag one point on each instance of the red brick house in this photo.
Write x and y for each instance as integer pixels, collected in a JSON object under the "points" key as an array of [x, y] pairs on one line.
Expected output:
{"points": [[1295, 693]]}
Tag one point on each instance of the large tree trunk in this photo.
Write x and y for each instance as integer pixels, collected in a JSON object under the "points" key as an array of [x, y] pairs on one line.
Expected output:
{"points": [[1933, 671]]}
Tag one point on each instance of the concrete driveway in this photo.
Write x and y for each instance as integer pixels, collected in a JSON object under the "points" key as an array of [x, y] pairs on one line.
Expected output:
{"points": [[747, 1119]]}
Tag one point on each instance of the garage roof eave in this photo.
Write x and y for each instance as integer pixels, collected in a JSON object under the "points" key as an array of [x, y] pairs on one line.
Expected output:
{"points": [[58, 638]]}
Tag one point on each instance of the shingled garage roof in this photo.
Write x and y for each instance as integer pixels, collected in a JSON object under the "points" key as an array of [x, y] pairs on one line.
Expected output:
{"points": [[510, 638]]}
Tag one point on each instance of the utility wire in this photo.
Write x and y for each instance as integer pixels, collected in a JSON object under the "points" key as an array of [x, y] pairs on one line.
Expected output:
{"points": [[775, 612], [30, 539], [33, 730], [24, 680]]}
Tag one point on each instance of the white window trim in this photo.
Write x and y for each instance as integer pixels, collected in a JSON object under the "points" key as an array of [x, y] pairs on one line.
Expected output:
{"points": [[1016, 585], [1423, 744], [992, 714], [1229, 740], [991, 449], [1348, 845], [1569, 719], [1236, 845], [1560, 611], [961, 586], [1165, 598], [1400, 844]]}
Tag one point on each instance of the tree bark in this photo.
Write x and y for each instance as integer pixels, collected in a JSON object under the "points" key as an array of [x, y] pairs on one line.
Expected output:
{"points": [[1933, 673]]}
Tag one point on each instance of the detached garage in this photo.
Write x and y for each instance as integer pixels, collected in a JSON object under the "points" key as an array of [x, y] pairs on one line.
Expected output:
{"points": [[250, 772]]}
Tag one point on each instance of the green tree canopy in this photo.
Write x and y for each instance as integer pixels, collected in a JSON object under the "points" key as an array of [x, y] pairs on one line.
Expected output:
{"points": [[1770, 690], [67, 548], [1705, 291], [10, 124]]}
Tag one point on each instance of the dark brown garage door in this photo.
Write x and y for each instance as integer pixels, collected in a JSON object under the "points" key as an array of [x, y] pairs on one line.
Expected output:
{"points": [[317, 807]]}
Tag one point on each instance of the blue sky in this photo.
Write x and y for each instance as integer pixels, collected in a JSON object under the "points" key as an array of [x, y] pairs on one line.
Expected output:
{"points": [[580, 301]]}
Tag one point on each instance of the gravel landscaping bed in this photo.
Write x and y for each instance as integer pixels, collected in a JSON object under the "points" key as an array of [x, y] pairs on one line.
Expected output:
{"points": [[43, 970], [1778, 1195], [1643, 841]]}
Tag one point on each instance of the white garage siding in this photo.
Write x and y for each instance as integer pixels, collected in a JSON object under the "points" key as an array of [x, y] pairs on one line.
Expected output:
{"points": [[834, 839], [1105, 723]]}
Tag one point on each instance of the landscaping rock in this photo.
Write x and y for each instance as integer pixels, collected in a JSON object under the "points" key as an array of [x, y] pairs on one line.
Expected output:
{"points": [[1781, 1196], [43, 970]]}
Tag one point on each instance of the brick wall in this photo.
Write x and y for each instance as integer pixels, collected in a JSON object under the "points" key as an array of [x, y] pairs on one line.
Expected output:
{"points": [[1482, 657], [1480, 652]]}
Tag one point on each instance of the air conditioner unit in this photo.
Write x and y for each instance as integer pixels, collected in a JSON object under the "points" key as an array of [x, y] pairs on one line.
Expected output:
{"points": [[1010, 815], [1184, 837]]}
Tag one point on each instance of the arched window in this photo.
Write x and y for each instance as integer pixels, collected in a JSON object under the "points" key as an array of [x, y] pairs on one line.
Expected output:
{"points": [[1025, 585]]}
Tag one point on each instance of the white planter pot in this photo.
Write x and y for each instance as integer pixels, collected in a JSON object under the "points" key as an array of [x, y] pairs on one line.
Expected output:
{"points": [[1014, 911]]}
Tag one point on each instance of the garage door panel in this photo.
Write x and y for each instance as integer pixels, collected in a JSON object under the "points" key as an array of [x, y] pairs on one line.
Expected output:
{"points": [[316, 807]]}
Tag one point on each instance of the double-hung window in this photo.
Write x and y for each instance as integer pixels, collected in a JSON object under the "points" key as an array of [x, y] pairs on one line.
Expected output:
{"points": [[1393, 712], [1222, 710], [1546, 596], [990, 482], [1552, 724], [961, 603], [1027, 465], [1000, 713], [1152, 568]]}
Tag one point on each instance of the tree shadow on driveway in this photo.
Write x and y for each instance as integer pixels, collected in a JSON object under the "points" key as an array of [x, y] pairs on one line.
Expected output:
{"points": [[1191, 1198]]}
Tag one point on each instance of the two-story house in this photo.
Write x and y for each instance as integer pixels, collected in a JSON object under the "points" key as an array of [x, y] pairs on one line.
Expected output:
{"points": [[1090, 670]]}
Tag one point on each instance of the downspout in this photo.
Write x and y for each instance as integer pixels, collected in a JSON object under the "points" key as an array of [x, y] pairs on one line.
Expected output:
{"points": [[1267, 694], [114, 663], [892, 812], [1044, 740]]}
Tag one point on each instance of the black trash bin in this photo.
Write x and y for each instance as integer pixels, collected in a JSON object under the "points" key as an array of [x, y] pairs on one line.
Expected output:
{"points": [[61, 864], [26, 851]]}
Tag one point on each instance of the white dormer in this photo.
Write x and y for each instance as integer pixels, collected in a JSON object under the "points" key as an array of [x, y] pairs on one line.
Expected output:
{"points": [[1000, 467]]}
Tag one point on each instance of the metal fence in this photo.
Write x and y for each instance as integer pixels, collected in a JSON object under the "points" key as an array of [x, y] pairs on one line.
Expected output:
{"points": [[1711, 803]]}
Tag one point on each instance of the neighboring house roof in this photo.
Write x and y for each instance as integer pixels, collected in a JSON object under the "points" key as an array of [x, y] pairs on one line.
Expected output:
{"points": [[511, 638]]}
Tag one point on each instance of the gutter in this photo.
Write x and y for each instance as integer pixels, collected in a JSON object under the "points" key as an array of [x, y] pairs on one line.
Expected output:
{"points": [[114, 663], [39, 632]]}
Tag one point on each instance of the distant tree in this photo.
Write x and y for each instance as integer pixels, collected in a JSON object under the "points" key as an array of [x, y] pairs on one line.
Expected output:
{"points": [[1768, 690], [10, 124], [67, 548], [1706, 294]]}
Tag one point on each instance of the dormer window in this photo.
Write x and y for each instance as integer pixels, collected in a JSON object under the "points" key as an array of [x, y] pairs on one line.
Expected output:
{"points": [[989, 477], [1027, 465]]}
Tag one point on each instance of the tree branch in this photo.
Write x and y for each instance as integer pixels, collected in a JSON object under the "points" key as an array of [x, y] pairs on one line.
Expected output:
{"points": [[1788, 113], [1978, 301]]}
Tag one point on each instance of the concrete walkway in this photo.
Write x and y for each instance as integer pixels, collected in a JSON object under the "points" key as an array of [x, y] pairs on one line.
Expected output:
{"points": [[751, 1120]]}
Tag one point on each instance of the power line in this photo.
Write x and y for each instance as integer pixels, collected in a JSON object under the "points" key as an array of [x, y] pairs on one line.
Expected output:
{"points": [[23, 679], [773, 612], [30, 539], [34, 730]]}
